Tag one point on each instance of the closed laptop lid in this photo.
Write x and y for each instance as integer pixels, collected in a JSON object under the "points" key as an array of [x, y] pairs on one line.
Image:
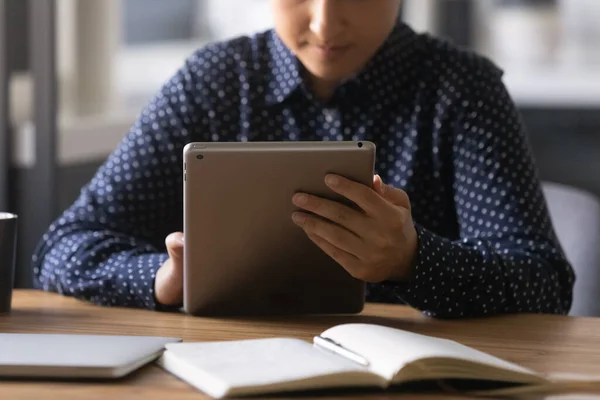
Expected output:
{"points": [[76, 356]]}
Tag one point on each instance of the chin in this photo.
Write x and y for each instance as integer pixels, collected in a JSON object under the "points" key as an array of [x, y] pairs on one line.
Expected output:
{"points": [[334, 70], [331, 74]]}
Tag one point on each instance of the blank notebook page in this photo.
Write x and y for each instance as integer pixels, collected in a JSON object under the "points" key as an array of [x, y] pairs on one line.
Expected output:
{"points": [[261, 361]]}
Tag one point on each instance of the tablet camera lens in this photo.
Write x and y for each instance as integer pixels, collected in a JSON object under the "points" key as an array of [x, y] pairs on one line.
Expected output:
{"points": [[199, 156], [360, 145]]}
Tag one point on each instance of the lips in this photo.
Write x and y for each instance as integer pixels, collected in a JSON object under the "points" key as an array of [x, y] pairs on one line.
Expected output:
{"points": [[331, 47], [331, 51]]}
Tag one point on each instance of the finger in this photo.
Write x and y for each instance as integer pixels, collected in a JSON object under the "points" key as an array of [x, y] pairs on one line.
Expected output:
{"points": [[394, 195], [334, 234], [339, 213], [348, 261], [378, 185], [363, 196], [397, 197]]}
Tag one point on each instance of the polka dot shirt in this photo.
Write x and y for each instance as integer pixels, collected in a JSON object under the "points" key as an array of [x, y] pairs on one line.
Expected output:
{"points": [[446, 132]]}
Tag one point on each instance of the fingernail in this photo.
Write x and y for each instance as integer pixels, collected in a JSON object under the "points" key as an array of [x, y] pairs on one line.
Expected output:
{"points": [[300, 199], [332, 180], [298, 218]]}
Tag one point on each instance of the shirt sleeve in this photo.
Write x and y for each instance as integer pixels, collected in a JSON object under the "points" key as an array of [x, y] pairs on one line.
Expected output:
{"points": [[107, 247], [508, 258]]}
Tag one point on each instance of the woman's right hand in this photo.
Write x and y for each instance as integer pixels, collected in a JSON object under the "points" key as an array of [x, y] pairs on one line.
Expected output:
{"points": [[168, 285]]}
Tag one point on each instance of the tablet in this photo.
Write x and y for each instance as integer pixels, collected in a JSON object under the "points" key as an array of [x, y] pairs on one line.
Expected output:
{"points": [[243, 255]]}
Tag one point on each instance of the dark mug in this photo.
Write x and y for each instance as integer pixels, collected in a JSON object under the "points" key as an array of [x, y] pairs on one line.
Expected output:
{"points": [[8, 247]]}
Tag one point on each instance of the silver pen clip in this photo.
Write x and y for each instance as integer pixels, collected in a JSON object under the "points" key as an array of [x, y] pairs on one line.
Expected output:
{"points": [[335, 347]]}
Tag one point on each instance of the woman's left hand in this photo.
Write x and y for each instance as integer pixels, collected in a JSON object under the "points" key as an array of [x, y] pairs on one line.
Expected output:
{"points": [[374, 244]]}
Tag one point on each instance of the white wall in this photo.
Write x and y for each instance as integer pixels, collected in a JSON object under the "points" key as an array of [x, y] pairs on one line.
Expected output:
{"points": [[228, 18]]}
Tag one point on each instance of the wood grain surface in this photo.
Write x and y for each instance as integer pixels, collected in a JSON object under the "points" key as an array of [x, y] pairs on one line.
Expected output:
{"points": [[545, 343]]}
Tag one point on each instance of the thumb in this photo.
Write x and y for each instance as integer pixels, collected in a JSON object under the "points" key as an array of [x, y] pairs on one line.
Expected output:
{"points": [[174, 243], [395, 196], [168, 285]]}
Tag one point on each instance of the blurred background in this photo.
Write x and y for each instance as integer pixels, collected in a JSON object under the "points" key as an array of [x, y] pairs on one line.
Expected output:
{"points": [[74, 74]]}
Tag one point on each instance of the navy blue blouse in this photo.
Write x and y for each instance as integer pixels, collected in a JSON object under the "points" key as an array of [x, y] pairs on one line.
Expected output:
{"points": [[447, 133]]}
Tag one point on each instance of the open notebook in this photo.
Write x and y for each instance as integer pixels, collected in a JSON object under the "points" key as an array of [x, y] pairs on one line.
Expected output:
{"points": [[349, 355]]}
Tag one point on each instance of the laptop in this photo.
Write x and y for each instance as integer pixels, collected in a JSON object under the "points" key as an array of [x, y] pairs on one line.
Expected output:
{"points": [[243, 255], [66, 356]]}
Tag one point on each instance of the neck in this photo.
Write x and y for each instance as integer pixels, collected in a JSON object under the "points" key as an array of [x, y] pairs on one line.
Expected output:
{"points": [[322, 89]]}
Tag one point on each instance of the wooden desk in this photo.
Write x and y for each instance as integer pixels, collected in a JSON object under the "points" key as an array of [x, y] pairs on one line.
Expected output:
{"points": [[545, 343]]}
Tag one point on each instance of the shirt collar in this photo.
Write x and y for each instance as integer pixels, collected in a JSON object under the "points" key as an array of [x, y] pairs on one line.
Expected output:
{"points": [[284, 75], [390, 68]]}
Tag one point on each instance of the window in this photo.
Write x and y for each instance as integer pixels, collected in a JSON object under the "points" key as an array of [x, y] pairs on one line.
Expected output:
{"points": [[158, 35], [151, 21]]}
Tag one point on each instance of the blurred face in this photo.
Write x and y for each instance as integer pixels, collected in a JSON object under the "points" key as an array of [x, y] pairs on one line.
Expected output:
{"points": [[334, 39]]}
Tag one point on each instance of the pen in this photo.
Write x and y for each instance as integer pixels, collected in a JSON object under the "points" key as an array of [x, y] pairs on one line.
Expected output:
{"points": [[335, 347]]}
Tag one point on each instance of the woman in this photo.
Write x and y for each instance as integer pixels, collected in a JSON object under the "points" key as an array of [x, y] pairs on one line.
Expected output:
{"points": [[461, 230]]}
